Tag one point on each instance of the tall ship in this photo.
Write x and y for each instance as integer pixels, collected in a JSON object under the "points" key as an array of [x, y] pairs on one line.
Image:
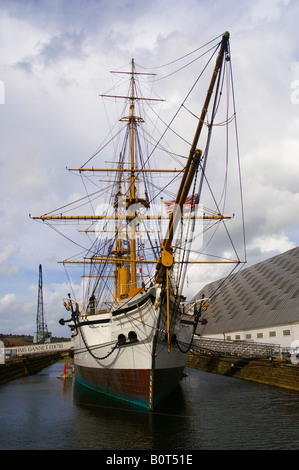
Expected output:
{"points": [[133, 327]]}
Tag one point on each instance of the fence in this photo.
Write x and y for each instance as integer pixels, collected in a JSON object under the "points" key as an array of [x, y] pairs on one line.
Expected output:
{"points": [[236, 348]]}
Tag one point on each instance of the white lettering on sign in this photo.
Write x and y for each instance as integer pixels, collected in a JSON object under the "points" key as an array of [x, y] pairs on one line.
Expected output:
{"points": [[38, 348]]}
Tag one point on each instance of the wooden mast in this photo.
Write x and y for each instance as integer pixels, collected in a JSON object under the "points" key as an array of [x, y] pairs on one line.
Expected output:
{"points": [[166, 259], [132, 183]]}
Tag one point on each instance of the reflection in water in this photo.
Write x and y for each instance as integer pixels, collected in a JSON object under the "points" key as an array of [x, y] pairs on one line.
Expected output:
{"points": [[207, 411], [127, 426]]}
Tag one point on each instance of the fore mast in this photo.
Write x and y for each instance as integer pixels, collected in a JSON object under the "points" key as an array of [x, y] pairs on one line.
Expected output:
{"points": [[166, 259]]}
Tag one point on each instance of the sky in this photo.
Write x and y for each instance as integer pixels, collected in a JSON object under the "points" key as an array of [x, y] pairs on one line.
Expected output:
{"points": [[55, 61]]}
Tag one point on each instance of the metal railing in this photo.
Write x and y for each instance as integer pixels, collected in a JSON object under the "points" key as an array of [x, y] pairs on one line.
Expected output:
{"points": [[236, 348]]}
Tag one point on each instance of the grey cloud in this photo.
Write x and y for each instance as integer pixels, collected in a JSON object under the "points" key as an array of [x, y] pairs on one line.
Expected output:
{"points": [[69, 45], [61, 47]]}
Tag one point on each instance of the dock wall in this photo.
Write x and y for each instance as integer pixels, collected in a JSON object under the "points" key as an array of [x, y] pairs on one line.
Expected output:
{"points": [[29, 365], [277, 372]]}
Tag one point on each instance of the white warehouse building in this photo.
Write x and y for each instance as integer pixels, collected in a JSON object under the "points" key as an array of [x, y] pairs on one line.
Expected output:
{"points": [[259, 304]]}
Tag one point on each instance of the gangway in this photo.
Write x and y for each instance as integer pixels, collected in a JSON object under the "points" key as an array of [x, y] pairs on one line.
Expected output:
{"points": [[235, 347]]}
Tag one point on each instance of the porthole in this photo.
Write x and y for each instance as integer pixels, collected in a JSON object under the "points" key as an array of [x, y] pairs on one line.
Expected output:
{"points": [[132, 337], [121, 339]]}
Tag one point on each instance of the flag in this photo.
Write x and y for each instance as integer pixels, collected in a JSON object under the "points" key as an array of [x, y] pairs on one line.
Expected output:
{"points": [[169, 205], [189, 204]]}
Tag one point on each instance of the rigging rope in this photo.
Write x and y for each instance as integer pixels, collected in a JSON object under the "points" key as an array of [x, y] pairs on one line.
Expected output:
{"points": [[180, 58], [178, 110], [97, 247], [238, 157]]}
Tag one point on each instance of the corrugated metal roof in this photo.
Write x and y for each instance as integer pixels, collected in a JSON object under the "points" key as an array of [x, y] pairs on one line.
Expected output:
{"points": [[263, 295]]}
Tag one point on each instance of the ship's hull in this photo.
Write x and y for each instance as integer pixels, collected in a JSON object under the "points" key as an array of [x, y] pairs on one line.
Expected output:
{"points": [[144, 369], [142, 387]]}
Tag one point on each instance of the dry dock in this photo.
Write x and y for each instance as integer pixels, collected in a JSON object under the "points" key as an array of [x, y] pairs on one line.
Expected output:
{"points": [[276, 372], [29, 365]]}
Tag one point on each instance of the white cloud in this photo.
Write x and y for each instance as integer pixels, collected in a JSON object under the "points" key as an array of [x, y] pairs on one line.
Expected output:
{"points": [[56, 61], [7, 270], [266, 11], [6, 253], [273, 243], [5, 301]]}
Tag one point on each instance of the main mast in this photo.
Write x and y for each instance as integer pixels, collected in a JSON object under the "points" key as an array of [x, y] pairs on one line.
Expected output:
{"points": [[125, 277], [132, 182]]}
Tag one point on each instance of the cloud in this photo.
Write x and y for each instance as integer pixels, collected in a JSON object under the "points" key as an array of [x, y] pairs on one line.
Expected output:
{"points": [[64, 47], [5, 254], [278, 242], [6, 270], [267, 11], [6, 300], [55, 61], [26, 303]]}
